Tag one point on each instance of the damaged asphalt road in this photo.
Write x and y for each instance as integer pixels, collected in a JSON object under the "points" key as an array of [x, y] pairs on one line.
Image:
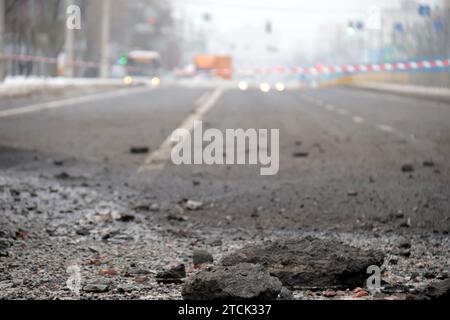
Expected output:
{"points": [[71, 195]]}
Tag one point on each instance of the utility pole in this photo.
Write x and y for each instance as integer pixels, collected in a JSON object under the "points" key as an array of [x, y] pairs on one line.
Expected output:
{"points": [[69, 47], [2, 40], [447, 37], [104, 68], [447, 26]]}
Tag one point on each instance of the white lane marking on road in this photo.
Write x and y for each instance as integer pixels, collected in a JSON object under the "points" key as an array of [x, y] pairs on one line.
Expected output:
{"points": [[358, 120], [343, 112], [158, 158], [202, 98], [330, 107], [70, 102], [385, 128]]}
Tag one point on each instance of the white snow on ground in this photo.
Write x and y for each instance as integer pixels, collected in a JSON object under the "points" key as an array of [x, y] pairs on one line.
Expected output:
{"points": [[20, 85]]}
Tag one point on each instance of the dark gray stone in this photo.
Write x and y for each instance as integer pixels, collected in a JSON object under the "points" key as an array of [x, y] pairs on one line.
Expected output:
{"points": [[404, 244], [96, 287], [434, 291], [127, 217], [83, 232], [300, 154], [172, 275], [407, 167], [428, 163], [394, 288], [126, 288], [202, 257], [139, 150], [285, 294], [4, 245], [240, 282], [310, 262]]}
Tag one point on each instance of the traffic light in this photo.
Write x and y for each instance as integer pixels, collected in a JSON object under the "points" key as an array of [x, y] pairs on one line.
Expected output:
{"points": [[438, 26], [359, 25], [207, 17], [268, 27], [351, 31], [354, 27], [123, 60], [424, 10], [398, 26]]}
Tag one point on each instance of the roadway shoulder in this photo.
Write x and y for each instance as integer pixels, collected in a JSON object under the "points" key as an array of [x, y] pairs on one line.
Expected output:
{"points": [[433, 93]]}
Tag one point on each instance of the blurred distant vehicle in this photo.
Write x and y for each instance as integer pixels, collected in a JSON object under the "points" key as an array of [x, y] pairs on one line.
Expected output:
{"points": [[142, 63], [186, 72], [221, 66]]}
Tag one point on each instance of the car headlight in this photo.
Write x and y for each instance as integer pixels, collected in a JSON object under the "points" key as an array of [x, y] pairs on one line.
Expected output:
{"points": [[243, 85], [265, 87], [128, 80], [280, 86]]}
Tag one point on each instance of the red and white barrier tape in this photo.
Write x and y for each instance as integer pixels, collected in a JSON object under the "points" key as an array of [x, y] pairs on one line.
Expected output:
{"points": [[314, 70], [358, 68]]}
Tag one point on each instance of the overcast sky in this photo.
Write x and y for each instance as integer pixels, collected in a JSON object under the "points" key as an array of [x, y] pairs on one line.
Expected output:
{"points": [[294, 21]]}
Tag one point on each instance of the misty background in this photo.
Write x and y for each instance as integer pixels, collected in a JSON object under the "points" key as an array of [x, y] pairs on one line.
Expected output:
{"points": [[256, 33]]}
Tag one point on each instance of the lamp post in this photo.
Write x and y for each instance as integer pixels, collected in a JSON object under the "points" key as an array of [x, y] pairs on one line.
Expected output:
{"points": [[104, 60], [2, 40]]}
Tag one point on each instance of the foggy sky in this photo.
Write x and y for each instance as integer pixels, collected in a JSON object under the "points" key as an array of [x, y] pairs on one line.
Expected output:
{"points": [[296, 23]]}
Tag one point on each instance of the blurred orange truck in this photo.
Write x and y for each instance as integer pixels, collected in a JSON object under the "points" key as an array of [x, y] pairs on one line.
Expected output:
{"points": [[221, 66]]}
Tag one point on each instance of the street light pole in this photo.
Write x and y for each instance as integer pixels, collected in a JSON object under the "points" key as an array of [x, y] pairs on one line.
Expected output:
{"points": [[104, 69], [69, 47], [2, 40], [447, 26], [447, 37]]}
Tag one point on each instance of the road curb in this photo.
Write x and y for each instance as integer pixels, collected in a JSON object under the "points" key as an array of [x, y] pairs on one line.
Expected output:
{"points": [[422, 92], [14, 90]]}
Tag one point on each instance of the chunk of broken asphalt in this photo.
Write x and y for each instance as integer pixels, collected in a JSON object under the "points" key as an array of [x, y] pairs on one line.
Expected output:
{"points": [[404, 244], [96, 287], [139, 150], [285, 294], [239, 282], [200, 257], [428, 163], [300, 154], [126, 288], [63, 176], [407, 168], [172, 275], [310, 262], [434, 291], [126, 217]]}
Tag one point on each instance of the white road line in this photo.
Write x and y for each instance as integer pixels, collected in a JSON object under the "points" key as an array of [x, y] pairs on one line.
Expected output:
{"points": [[158, 158], [358, 120], [330, 107], [385, 128], [70, 102], [343, 112], [202, 98]]}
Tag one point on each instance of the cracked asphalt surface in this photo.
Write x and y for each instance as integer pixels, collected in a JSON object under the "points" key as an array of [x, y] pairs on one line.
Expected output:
{"points": [[366, 168]]}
